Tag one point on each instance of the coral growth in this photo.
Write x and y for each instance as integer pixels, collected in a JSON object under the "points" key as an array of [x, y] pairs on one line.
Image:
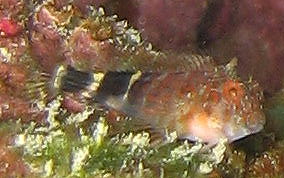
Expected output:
{"points": [[9, 28], [11, 163], [268, 164], [13, 101]]}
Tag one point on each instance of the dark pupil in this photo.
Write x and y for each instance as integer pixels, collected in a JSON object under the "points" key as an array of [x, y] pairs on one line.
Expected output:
{"points": [[233, 92]]}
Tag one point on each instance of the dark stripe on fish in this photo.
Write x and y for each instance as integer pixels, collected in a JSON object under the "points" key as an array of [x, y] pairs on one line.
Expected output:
{"points": [[75, 80], [114, 84]]}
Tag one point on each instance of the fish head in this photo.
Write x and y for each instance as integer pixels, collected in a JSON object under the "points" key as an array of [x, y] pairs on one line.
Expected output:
{"points": [[227, 108]]}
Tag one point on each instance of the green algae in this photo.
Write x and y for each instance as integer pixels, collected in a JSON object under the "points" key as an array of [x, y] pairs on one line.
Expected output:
{"points": [[65, 148]]}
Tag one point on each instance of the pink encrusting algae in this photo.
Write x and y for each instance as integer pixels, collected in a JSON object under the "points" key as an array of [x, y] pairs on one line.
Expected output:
{"points": [[9, 28]]}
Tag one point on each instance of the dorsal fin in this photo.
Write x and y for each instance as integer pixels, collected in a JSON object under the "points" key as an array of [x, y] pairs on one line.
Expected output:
{"points": [[231, 68], [167, 62]]}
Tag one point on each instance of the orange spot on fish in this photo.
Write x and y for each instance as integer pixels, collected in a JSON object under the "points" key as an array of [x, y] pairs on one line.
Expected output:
{"points": [[214, 96], [233, 92]]}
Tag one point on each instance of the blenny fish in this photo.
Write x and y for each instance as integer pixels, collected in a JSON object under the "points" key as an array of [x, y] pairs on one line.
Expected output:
{"points": [[204, 103]]}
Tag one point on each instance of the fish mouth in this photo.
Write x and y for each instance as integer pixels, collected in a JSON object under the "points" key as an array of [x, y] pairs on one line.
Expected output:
{"points": [[234, 133]]}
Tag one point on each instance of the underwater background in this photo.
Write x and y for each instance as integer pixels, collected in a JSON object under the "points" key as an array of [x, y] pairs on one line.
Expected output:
{"points": [[50, 133]]}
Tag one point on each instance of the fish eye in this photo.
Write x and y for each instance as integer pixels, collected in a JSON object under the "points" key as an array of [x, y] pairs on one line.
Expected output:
{"points": [[233, 91]]}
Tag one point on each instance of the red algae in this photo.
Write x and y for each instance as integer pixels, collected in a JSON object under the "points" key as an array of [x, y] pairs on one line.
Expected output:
{"points": [[13, 101], [166, 24], [13, 42], [259, 28], [9, 27], [14, 9], [47, 43], [255, 25], [15, 108], [11, 164], [14, 58], [268, 164], [83, 5], [13, 76], [86, 51], [73, 104]]}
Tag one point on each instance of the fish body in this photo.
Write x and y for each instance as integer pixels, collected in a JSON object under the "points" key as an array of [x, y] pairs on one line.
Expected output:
{"points": [[206, 103]]}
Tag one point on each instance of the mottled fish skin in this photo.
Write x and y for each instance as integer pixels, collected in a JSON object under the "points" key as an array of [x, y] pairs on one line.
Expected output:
{"points": [[206, 103], [198, 105]]}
